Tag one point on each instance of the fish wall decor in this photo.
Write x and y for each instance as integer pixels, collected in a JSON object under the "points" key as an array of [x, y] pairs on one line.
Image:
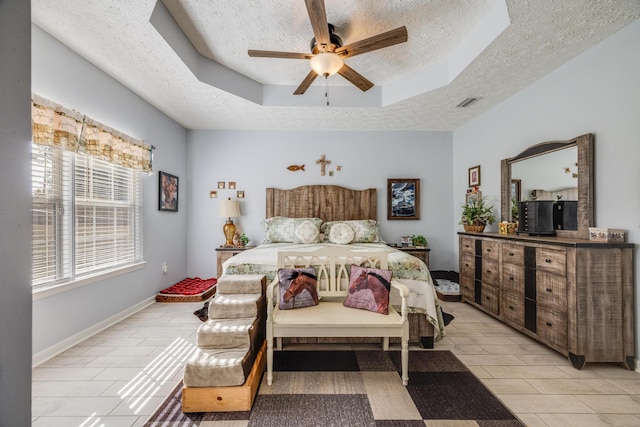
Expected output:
{"points": [[294, 168]]}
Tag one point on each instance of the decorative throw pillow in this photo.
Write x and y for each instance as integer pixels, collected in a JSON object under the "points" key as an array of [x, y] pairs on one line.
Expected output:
{"points": [[298, 288], [369, 289], [306, 230], [341, 233]]}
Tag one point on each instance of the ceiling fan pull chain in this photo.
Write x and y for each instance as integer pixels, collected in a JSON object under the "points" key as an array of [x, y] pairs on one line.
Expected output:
{"points": [[326, 89]]}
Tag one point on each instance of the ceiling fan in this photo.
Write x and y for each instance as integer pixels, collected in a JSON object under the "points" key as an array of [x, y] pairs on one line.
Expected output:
{"points": [[327, 52]]}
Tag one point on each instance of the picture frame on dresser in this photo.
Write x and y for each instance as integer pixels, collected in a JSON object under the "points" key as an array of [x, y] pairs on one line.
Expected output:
{"points": [[403, 198]]}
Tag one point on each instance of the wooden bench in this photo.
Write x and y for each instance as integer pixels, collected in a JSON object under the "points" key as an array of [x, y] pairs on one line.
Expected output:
{"points": [[330, 318]]}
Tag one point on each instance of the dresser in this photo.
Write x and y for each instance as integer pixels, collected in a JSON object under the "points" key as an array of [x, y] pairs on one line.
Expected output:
{"points": [[573, 295]]}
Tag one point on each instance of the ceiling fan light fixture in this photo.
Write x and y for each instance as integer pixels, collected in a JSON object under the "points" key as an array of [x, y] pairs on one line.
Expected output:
{"points": [[326, 63]]}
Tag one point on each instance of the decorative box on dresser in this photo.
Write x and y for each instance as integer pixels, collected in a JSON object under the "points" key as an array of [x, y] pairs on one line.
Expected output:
{"points": [[573, 295]]}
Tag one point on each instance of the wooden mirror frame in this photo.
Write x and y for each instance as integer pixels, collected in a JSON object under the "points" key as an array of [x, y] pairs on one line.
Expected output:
{"points": [[584, 143]]}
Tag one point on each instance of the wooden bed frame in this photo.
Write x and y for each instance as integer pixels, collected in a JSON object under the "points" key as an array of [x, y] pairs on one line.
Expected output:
{"points": [[335, 203]]}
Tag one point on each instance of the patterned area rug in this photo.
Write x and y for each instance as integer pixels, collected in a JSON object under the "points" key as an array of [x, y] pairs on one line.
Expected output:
{"points": [[357, 388]]}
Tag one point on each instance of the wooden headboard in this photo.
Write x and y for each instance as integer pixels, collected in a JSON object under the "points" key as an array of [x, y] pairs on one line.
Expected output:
{"points": [[329, 202]]}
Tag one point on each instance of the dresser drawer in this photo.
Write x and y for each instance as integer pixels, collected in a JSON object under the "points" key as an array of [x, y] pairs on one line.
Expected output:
{"points": [[552, 261], [491, 250], [490, 272], [513, 278], [551, 327], [468, 266], [467, 246], [513, 254], [467, 288], [513, 308], [490, 298], [551, 291]]}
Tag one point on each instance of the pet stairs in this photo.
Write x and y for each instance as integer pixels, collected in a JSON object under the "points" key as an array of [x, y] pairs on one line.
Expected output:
{"points": [[225, 371]]}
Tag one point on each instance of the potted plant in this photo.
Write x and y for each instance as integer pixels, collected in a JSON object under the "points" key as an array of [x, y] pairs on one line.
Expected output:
{"points": [[241, 240], [419, 240], [477, 213]]}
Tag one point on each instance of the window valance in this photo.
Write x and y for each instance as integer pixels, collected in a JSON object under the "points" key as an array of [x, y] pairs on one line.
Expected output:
{"points": [[55, 125]]}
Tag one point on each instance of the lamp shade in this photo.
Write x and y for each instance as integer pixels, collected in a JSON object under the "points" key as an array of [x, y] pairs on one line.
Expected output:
{"points": [[326, 63], [229, 208]]}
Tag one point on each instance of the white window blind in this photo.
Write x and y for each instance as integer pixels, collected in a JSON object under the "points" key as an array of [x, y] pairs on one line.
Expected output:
{"points": [[87, 215]]}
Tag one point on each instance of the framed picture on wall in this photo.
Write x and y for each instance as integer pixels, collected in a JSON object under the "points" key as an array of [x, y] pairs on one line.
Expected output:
{"points": [[168, 192], [403, 198], [474, 176]]}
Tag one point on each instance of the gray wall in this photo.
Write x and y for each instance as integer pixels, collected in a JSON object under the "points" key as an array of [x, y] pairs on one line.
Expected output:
{"points": [[596, 92], [256, 160], [77, 84], [15, 214]]}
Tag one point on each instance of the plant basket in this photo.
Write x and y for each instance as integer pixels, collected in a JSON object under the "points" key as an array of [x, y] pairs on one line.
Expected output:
{"points": [[473, 228]]}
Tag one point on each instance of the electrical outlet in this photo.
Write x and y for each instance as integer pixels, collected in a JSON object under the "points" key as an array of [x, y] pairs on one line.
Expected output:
{"points": [[165, 268]]}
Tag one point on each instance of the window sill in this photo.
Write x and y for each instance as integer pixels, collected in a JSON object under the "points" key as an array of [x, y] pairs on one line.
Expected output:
{"points": [[48, 291]]}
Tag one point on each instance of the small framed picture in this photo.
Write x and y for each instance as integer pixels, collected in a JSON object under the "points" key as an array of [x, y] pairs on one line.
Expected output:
{"points": [[240, 194], [168, 194], [406, 241], [474, 176], [472, 196], [232, 185], [220, 185], [213, 194]]}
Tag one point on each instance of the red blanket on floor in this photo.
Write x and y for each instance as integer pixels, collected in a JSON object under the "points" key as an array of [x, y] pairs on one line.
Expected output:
{"points": [[190, 286]]}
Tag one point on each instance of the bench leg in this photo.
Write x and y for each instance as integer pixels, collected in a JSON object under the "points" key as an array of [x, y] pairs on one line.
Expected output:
{"points": [[405, 362], [269, 361], [385, 343], [279, 344]]}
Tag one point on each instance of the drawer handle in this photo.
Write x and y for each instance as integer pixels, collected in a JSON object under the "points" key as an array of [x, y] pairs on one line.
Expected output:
{"points": [[511, 278], [489, 271], [549, 324], [511, 307], [488, 298], [549, 290], [547, 260], [511, 254], [488, 250], [466, 265]]}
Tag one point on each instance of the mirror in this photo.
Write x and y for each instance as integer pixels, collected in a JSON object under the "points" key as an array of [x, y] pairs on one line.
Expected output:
{"points": [[550, 170]]}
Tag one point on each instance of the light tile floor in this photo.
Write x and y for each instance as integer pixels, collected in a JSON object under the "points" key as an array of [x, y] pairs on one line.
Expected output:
{"points": [[119, 376]]}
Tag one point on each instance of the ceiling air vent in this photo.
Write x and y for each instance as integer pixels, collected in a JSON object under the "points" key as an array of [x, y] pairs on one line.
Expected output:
{"points": [[468, 102]]}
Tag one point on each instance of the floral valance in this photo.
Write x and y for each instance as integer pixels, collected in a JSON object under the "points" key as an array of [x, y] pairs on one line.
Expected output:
{"points": [[55, 125]]}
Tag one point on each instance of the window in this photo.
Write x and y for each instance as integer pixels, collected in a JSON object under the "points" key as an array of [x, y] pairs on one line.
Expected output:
{"points": [[86, 213], [86, 195]]}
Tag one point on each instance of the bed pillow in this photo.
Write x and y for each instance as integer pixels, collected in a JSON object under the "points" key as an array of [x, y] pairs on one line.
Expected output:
{"points": [[365, 230], [298, 288], [278, 229], [341, 233], [369, 289], [307, 230]]}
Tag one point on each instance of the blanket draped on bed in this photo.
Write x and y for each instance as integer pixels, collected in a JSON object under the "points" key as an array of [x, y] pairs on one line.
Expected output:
{"points": [[406, 269]]}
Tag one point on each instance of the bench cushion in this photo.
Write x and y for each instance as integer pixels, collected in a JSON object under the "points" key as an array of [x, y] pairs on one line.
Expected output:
{"points": [[333, 319]]}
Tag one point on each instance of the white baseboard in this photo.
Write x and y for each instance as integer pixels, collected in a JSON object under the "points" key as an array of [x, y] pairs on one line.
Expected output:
{"points": [[54, 350]]}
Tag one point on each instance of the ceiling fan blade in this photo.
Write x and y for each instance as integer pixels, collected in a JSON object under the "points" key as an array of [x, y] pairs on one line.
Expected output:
{"points": [[306, 83], [318, 17], [356, 78], [274, 54], [389, 38]]}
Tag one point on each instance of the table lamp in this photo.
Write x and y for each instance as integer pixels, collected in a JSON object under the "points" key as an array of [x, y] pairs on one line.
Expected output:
{"points": [[229, 208]]}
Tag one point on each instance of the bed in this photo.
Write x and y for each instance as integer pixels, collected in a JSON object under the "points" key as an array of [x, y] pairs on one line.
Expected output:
{"points": [[329, 207]]}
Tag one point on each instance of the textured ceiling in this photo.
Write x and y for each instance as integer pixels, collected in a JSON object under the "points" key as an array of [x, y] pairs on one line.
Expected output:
{"points": [[118, 37]]}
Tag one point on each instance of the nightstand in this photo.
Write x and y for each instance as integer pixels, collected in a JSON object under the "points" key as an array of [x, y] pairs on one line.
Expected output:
{"points": [[223, 254], [418, 252]]}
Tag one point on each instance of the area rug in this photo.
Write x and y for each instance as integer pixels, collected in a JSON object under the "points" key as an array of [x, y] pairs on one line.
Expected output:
{"points": [[356, 388]]}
